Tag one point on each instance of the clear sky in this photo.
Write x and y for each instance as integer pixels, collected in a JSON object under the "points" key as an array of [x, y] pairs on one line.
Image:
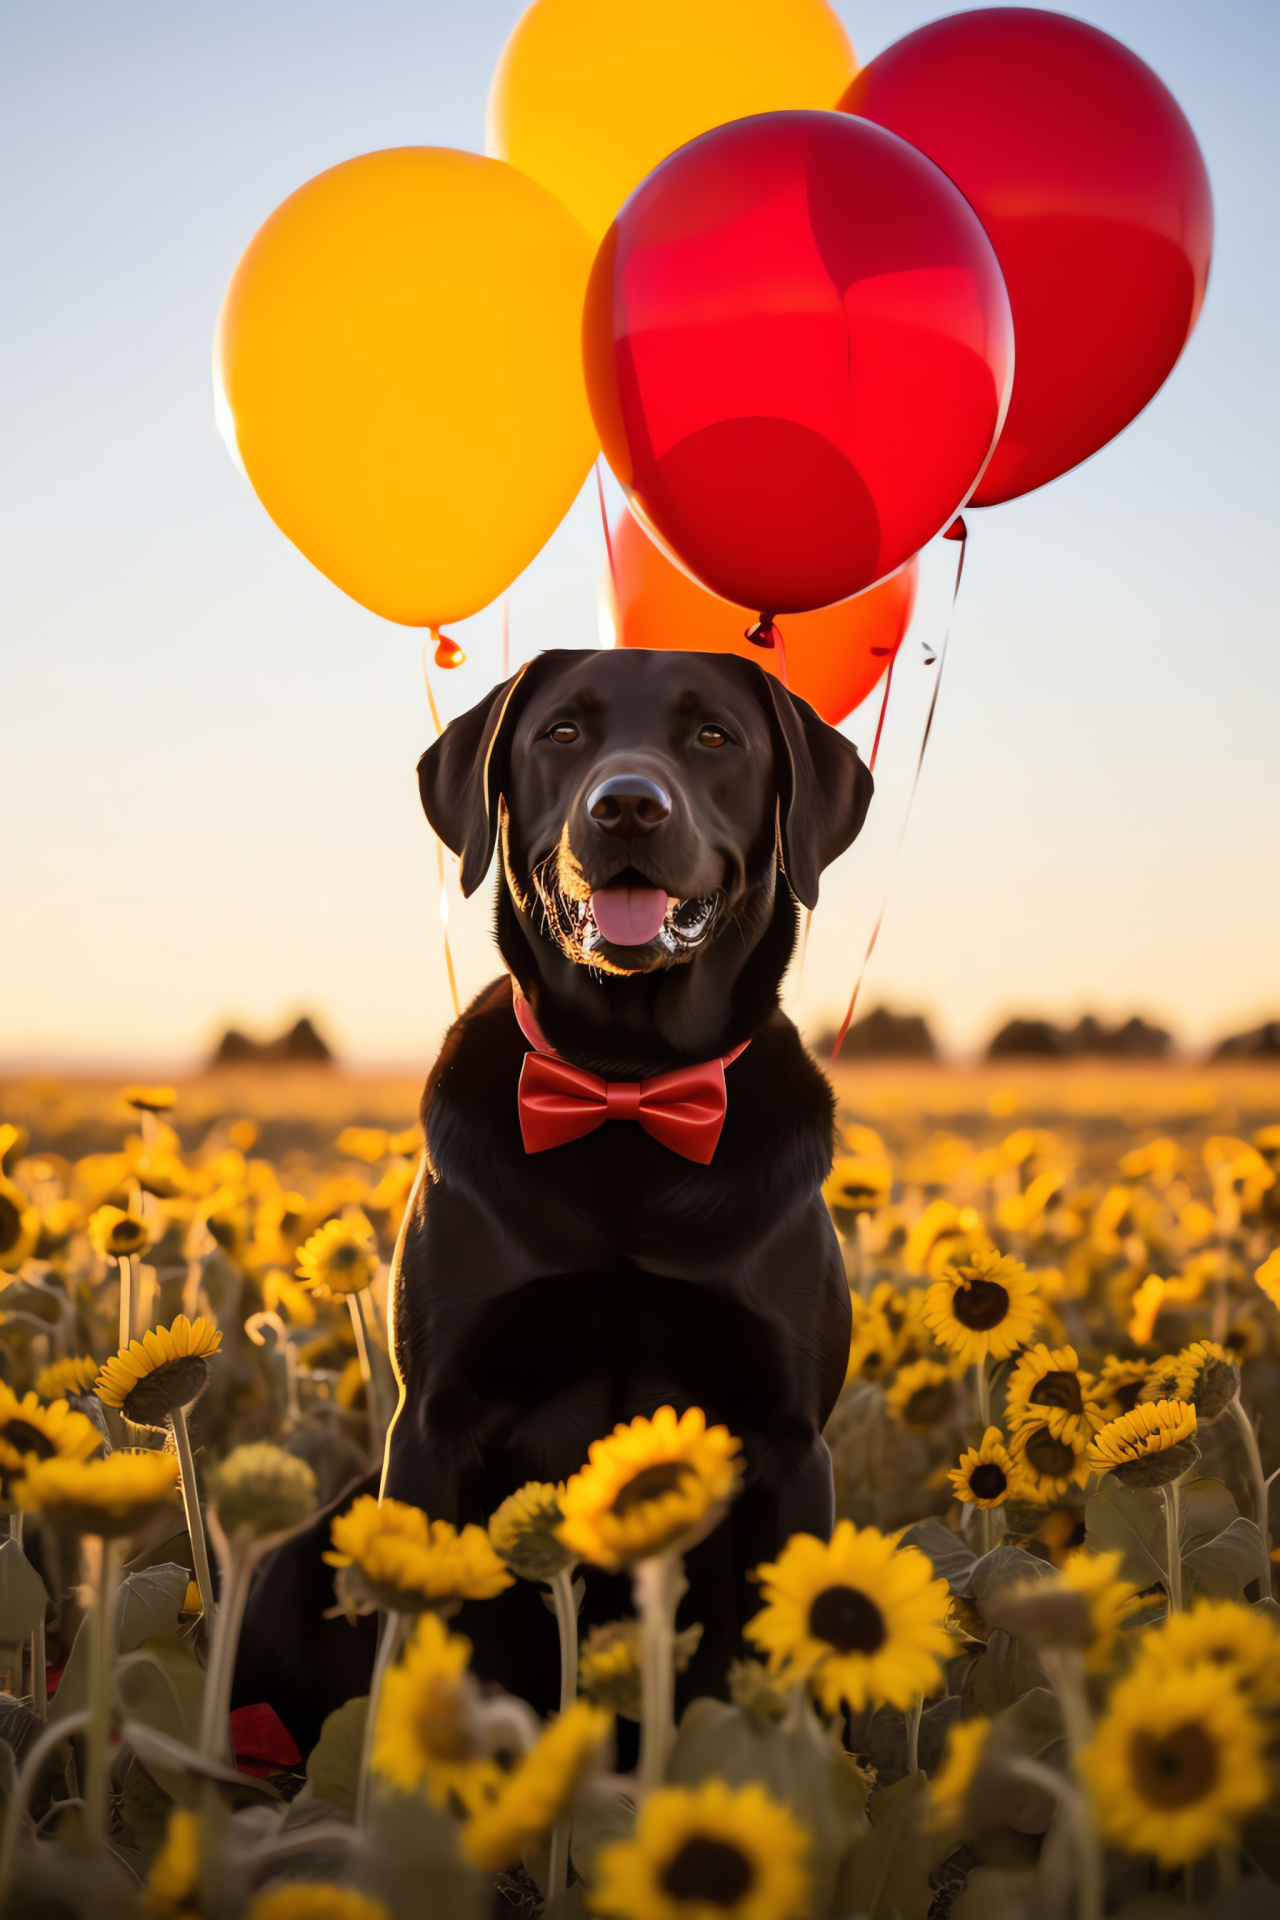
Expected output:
{"points": [[207, 753]]}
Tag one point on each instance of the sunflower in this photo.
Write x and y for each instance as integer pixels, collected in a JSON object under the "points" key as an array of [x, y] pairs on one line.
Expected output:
{"points": [[873, 1349], [1242, 1645], [949, 1787], [175, 1871], [1060, 1532], [1109, 1601], [986, 1475], [149, 1099], [649, 1486], [1176, 1764], [1048, 1464], [314, 1900], [369, 1144], [1206, 1377], [1144, 1310], [426, 1737], [407, 1562], [110, 1497], [1148, 1447], [118, 1234], [1050, 1387], [259, 1489], [31, 1432], [1119, 1384], [167, 1369], [857, 1183], [922, 1397], [19, 1226], [341, 1257], [609, 1667], [67, 1376], [710, 1852], [988, 1306], [1267, 1276], [539, 1789], [523, 1532], [860, 1615]]}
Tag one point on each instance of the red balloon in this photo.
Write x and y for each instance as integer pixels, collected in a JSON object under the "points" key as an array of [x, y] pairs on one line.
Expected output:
{"points": [[1084, 172], [798, 352], [834, 657]]}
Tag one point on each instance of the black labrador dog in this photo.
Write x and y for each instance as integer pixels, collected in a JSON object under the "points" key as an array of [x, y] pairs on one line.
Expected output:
{"points": [[658, 816]]}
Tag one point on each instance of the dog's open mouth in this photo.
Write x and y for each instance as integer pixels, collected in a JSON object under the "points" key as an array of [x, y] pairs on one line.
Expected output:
{"points": [[630, 914]]}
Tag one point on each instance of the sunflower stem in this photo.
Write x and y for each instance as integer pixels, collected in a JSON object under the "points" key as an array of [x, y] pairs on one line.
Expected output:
{"points": [[373, 1342], [1064, 1668], [191, 1507], [15, 1526], [656, 1584], [1259, 1485], [390, 1640], [983, 1388], [102, 1651], [567, 1621], [39, 1673], [984, 1531], [215, 1711], [125, 1265], [1172, 1545], [1075, 1807], [913, 1735]]}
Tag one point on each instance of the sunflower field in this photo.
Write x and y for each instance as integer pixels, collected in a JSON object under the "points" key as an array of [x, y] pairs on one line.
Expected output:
{"points": [[1034, 1671]]}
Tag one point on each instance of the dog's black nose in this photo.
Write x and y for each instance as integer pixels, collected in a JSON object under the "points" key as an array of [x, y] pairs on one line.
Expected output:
{"points": [[628, 805]]}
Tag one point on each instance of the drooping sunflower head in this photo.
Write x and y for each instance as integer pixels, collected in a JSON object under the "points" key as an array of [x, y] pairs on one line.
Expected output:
{"points": [[950, 1786], [1047, 1462], [1108, 1602], [111, 1498], [1239, 1644], [1204, 1375], [427, 1738], [341, 1257], [539, 1790], [409, 1563], [987, 1475], [1048, 1385], [609, 1667], [1148, 1447], [31, 1432], [710, 1852], [986, 1307], [258, 1490], [860, 1616], [1119, 1384], [649, 1487], [922, 1397], [118, 1234], [77, 1375], [1176, 1764], [167, 1369], [524, 1531]]}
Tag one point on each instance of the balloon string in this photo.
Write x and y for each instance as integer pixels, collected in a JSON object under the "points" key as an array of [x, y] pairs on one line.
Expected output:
{"points": [[956, 531], [604, 522], [884, 708], [444, 891], [781, 645]]}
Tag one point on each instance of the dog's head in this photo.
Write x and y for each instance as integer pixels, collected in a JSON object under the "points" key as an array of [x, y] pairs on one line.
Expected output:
{"points": [[641, 795]]}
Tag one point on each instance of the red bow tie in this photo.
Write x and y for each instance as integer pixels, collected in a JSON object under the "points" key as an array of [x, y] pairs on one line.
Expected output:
{"points": [[683, 1110]]}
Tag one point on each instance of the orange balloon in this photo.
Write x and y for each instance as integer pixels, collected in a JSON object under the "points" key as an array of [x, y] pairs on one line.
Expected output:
{"points": [[834, 656]]}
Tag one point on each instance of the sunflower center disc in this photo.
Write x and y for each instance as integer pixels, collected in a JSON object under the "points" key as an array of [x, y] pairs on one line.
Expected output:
{"points": [[1049, 1456], [27, 1439], [980, 1305], [987, 1481], [176, 1383], [650, 1484], [1177, 1770], [847, 1620], [1059, 1390], [706, 1869], [928, 1405]]}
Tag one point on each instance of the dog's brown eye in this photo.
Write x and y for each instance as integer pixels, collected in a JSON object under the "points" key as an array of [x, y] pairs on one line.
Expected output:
{"points": [[564, 733], [711, 736]]}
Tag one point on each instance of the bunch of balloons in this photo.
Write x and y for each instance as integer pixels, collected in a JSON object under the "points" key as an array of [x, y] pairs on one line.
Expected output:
{"points": [[808, 311]]}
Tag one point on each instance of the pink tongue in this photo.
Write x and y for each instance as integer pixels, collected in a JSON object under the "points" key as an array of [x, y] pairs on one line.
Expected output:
{"points": [[629, 916]]}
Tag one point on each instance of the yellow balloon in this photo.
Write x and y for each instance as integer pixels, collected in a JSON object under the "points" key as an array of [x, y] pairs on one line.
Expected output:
{"points": [[398, 369], [589, 95]]}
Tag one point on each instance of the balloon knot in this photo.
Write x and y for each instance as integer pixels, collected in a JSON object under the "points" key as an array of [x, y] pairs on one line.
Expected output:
{"points": [[764, 633], [448, 653], [957, 530]]}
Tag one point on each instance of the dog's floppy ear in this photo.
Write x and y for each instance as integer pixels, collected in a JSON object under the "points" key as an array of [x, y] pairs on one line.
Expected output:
{"points": [[461, 776], [824, 789]]}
